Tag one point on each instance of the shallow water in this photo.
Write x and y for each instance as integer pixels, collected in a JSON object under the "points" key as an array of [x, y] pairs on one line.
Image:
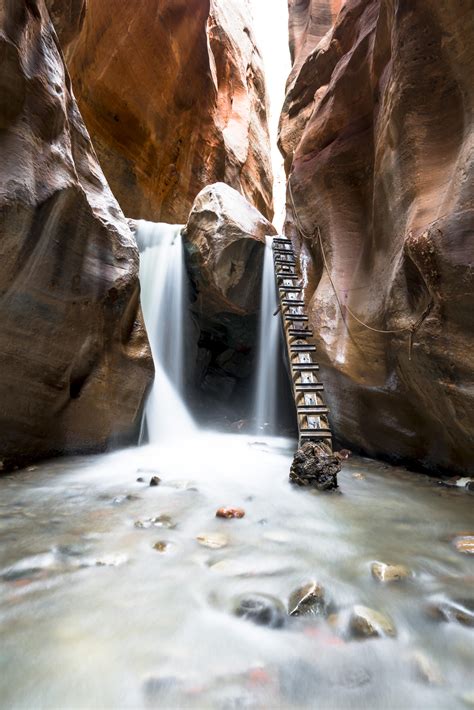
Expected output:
{"points": [[91, 615]]}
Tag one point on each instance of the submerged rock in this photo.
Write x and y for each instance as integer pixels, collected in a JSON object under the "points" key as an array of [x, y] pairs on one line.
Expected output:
{"points": [[161, 546], [309, 599], [159, 521], [230, 513], [215, 541], [389, 573], [262, 609], [316, 466], [366, 623], [426, 669], [460, 610], [464, 544]]}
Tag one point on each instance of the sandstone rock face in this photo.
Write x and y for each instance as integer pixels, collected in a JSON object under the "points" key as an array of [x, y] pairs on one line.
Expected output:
{"points": [[74, 358], [173, 96], [224, 243], [377, 135]]}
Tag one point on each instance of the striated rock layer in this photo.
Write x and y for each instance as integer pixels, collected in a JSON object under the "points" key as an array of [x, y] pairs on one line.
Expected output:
{"points": [[377, 135], [173, 95], [74, 358]]}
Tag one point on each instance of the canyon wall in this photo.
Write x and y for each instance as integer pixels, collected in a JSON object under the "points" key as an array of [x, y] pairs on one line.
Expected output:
{"points": [[377, 136], [74, 357], [173, 95]]}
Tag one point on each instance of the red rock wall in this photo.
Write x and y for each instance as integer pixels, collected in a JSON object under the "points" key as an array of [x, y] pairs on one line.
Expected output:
{"points": [[74, 357], [173, 95], [377, 135]]}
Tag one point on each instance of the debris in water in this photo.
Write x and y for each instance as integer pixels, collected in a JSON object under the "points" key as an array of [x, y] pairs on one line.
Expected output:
{"points": [[314, 465]]}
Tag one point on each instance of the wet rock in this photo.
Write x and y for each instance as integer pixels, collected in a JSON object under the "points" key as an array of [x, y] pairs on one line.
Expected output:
{"points": [[464, 544], [460, 610], [126, 497], [161, 546], [160, 521], [389, 573], [140, 479], [358, 476], [230, 513], [155, 481], [215, 541], [366, 623], [426, 669], [309, 599], [262, 609], [314, 465]]}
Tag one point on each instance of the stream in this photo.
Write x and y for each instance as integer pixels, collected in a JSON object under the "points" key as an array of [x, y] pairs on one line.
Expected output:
{"points": [[108, 599]]}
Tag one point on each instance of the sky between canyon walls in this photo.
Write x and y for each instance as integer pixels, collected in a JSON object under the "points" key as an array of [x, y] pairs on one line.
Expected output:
{"points": [[271, 31]]}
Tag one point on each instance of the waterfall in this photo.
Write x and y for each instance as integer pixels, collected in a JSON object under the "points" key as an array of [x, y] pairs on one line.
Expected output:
{"points": [[162, 278], [268, 348]]}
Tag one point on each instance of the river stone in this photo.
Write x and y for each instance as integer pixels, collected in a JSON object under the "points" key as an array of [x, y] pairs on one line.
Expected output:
{"points": [[215, 541], [155, 481], [230, 513], [366, 623], [309, 599], [389, 573], [464, 544], [262, 609], [460, 610]]}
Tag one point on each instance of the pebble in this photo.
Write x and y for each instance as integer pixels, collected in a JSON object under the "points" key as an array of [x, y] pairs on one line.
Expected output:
{"points": [[161, 546], [366, 623], [460, 610], [309, 599], [215, 541], [230, 513], [262, 609], [155, 481], [464, 544], [389, 573]]}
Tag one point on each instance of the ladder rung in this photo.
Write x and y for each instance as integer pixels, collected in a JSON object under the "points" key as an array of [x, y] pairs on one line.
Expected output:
{"points": [[291, 302], [312, 409], [300, 333], [309, 387], [301, 366], [315, 434], [302, 348]]}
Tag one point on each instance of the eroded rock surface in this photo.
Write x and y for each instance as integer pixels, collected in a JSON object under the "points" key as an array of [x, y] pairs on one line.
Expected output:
{"points": [[377, 135], [173, 95], [74, 358]]}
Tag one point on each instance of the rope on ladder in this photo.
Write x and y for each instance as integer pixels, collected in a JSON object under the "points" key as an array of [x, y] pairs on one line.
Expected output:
{"points": [[411, 329]]}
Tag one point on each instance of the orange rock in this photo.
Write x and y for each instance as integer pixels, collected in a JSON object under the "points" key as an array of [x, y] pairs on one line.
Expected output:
{"points": [[230, 513], [376, 131], [173, 95]]}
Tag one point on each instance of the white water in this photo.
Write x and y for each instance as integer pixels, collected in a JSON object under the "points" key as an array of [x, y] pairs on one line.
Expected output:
{"points": [[162, 278], [268, 349]]}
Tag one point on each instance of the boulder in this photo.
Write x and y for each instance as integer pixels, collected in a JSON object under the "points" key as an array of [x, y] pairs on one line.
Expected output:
{"points": [[262, 609], [224, 242], [389, 573], [309, 599], [376, 131], [365, 623], [75, 363], [173, 94]]}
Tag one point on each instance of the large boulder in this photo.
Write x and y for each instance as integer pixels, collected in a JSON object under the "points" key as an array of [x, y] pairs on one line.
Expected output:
{"points": [[377, 135], [224, 242], [74, 358], [173, 94]]}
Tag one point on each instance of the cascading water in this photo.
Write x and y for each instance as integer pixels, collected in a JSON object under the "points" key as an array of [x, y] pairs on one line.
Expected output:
{"points": [[268, 349], [162, 278]]}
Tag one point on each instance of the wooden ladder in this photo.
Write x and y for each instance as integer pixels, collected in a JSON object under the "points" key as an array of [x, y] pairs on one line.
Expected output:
{"points": [[308, 392]]}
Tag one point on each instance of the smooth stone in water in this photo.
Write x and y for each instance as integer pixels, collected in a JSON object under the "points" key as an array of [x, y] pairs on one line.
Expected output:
{"points": [[215, 541], [367, 623], [160, 521], [389, 573], [161, 546], [464, 544], [230, 513], [261, 609], [426, 669], [309, 599], [155, 481], [460, 610]]}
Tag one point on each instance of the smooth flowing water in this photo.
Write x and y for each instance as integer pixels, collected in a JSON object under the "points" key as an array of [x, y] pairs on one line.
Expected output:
{"points": [[109, 600], [162, 278], [269, 350]]}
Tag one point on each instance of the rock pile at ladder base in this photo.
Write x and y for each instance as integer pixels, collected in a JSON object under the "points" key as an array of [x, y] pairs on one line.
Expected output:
{"points": [[315, 465]]}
